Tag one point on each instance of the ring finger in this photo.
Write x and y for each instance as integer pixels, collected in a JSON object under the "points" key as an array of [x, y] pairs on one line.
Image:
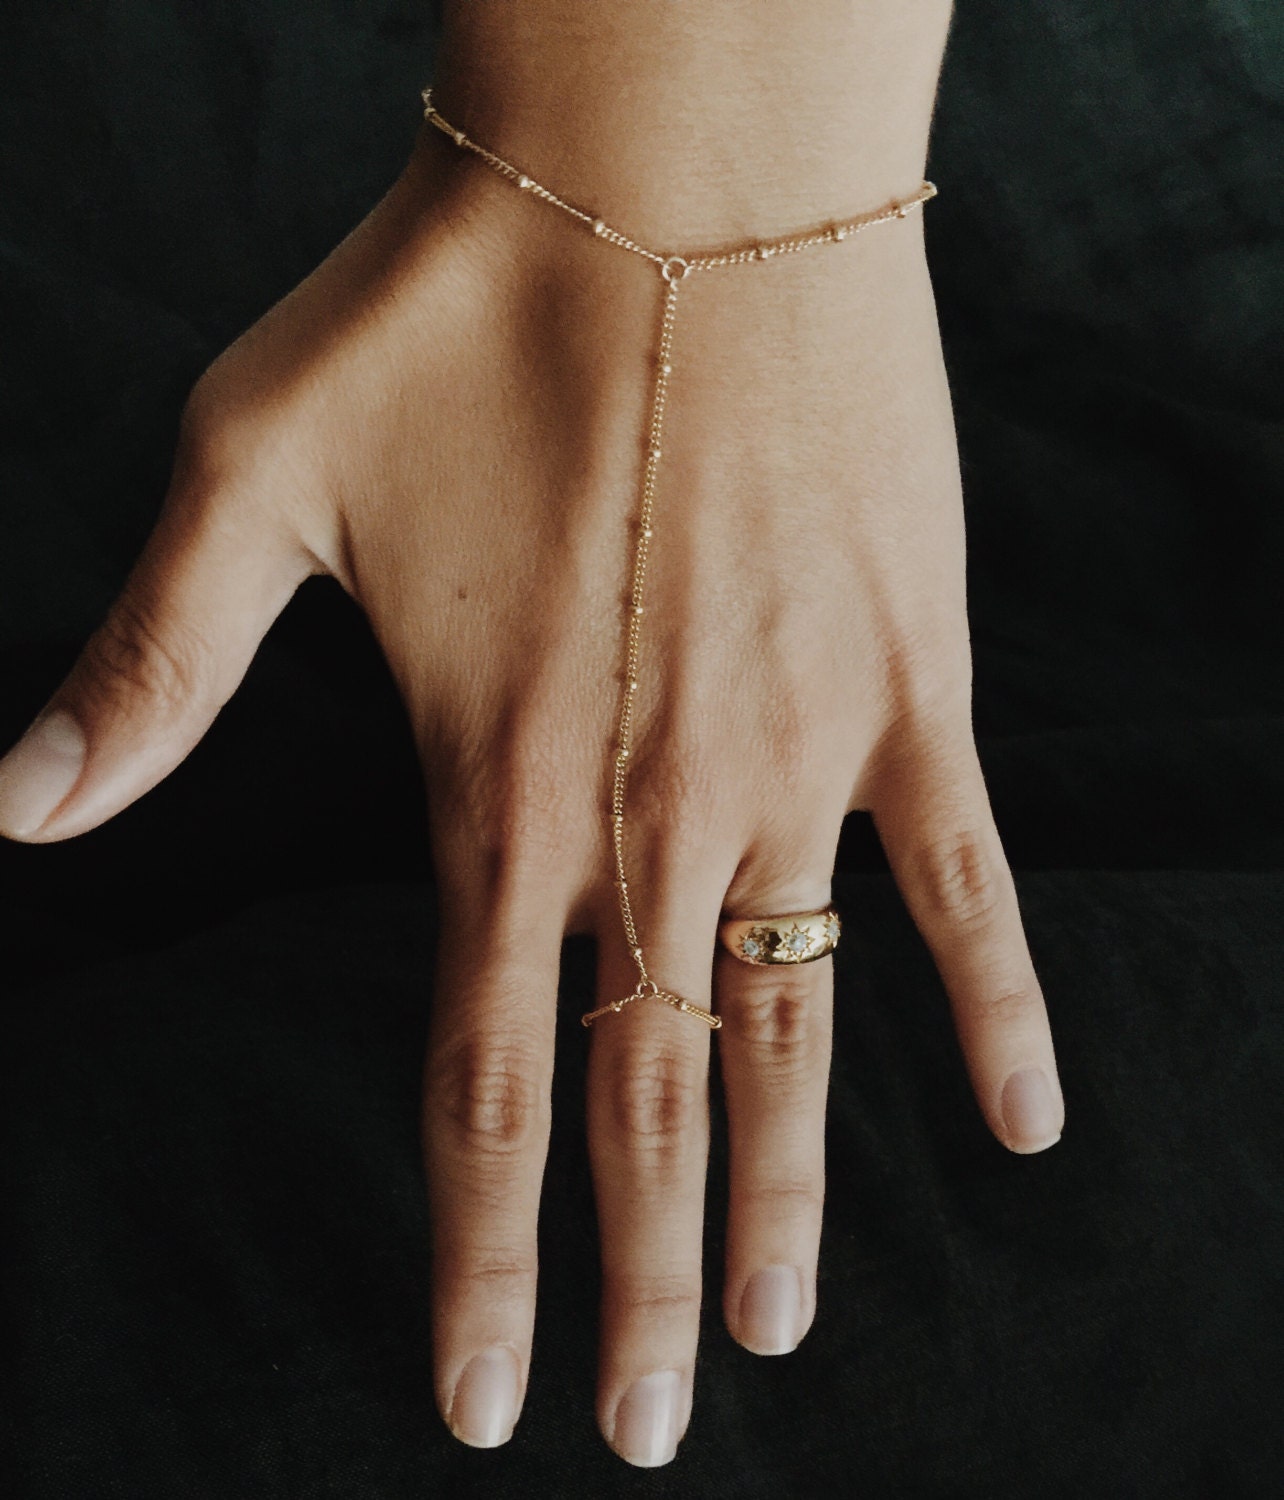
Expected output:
{"points": [[774, 1047]]}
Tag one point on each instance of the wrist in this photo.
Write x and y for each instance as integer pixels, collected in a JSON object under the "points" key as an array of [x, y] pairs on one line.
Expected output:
{"points": [[695, 123]]}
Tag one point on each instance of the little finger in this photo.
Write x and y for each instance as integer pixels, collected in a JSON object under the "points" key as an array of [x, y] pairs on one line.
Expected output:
{"points": [[933, 816]]}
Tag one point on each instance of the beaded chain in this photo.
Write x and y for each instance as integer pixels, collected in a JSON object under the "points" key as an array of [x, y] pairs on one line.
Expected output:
{"points": [[674, 270]]}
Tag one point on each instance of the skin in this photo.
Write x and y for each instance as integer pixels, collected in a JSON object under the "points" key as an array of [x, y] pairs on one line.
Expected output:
{"points": [[447, 418]]}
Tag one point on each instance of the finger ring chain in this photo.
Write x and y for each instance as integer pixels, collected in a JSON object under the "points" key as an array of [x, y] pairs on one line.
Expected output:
{"points": [[796, 938]]}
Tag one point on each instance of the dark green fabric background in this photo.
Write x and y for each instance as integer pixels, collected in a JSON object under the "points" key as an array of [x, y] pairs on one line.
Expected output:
{"points": [[213, 1223]]}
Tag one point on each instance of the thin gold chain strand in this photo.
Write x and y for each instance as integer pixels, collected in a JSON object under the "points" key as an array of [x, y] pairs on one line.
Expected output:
{"points": [[828, 234], [646, 986], [673, 269]]}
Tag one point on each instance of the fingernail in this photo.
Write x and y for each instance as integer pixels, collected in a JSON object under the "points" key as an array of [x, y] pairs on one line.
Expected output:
{"points": [[646, 1420], [1030, 1110], [771, 1310], [484, 1411], [39, 771]]}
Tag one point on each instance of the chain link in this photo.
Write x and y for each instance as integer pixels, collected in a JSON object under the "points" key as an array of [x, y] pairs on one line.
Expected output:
{"points": [[674, 270]]}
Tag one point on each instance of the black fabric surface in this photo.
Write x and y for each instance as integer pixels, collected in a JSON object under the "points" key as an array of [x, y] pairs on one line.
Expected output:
{"points": [[214, 1226]]}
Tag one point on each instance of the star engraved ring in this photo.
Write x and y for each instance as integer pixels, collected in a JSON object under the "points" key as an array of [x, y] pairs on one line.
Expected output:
{"points": [[795, 939]]}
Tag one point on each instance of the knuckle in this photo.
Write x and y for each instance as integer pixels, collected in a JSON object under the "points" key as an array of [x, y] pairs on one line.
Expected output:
{"points": [[515, 815], [248, 449], [791, 743], [773, 1202], [201, 420], [499, 1275], [927, 671], [925, 707], [132, 653], [959, 880], [528, 810], [659, 1295], [217, 435], [657, 1099], [776, 1019], [680, 788], [486, 1092], [1005, 1006]]}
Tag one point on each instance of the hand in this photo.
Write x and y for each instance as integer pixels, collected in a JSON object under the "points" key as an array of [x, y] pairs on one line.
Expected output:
{"points": [[446, 417]]}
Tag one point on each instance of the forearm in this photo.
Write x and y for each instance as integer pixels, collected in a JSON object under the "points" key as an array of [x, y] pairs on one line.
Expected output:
{"points": [[701, 120]]}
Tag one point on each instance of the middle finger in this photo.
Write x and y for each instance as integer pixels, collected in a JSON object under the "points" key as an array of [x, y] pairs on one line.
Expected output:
{"points": [[648, 1116]]}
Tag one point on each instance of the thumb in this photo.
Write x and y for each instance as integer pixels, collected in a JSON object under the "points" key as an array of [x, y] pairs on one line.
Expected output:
{"points": [[151, 679]]}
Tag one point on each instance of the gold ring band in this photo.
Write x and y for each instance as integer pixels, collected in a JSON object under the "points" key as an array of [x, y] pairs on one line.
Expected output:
{"points": [[799, 938]]}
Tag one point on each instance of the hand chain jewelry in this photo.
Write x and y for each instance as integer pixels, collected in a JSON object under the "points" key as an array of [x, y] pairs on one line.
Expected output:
{"points": [[673, 269]]}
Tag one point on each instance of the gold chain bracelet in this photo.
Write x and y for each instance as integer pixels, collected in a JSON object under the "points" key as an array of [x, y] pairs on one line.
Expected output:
{"points": [[673, 269]]}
